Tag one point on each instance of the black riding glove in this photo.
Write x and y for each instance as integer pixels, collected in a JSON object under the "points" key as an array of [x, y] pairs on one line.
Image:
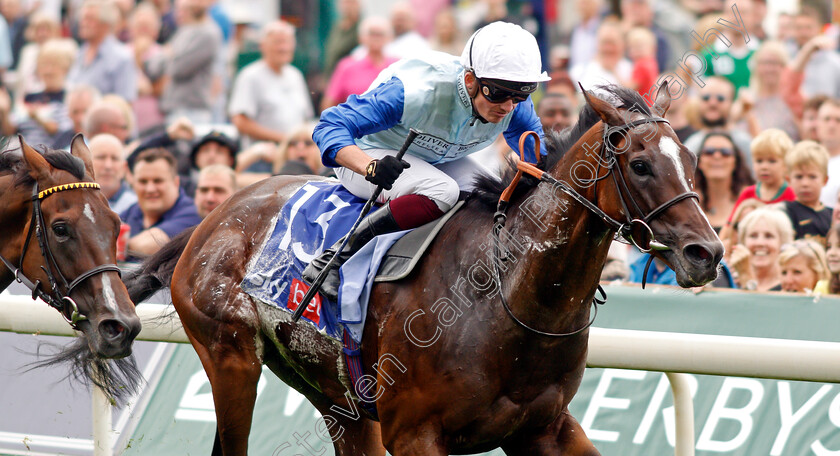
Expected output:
{"points": [[385, 171]]}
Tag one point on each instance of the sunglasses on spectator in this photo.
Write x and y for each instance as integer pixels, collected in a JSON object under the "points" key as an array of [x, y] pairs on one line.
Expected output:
{"points": [[498, 91], [725, 151], [720, 98], [301, 141]]}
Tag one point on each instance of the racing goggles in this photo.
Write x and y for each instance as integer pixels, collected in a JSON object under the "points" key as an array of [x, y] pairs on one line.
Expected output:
{"points": [[499, 91]]}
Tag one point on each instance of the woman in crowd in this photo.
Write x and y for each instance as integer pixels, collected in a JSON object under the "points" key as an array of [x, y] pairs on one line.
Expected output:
{"points": [[299, 154], [763, 232], [832, 243], [803, 267], [721, 175]]}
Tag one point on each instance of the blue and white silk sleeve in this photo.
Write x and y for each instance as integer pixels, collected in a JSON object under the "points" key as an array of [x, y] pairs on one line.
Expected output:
{"points": [[376, 110], [525, 119]]}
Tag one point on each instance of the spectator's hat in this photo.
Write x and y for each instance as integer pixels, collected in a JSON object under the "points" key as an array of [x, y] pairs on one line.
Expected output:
{"points": [[216, 137]]}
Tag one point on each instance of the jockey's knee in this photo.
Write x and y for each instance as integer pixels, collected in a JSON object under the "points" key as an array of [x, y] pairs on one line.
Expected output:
{"points": [[445, 194]]}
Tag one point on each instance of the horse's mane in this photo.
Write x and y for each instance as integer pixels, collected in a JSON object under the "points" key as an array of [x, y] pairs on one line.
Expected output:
{"points": [[12, 162], [489, 188]]}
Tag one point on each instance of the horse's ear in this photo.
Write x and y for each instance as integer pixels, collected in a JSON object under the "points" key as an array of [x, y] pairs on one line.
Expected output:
{"points": [[38, 166], [605, 110], [663, 99], [79, 149]]}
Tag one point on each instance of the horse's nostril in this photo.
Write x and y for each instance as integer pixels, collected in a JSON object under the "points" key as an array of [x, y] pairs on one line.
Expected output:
{"points": [[698, 254], [112, 330]]}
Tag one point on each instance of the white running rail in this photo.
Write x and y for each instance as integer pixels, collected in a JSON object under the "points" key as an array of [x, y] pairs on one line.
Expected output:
{"points": [[673, 353]]}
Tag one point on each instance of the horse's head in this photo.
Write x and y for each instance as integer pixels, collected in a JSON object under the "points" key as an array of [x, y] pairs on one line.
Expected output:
{"points": [[653, 176], [72, 252]]}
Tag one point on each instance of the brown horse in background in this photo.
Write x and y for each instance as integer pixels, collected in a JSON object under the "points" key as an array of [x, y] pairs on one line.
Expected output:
{"points": [[454, 372], [59, 232]]}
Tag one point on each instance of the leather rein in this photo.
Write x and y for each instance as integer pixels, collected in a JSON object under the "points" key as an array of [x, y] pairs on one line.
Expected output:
{"points": [[62, 302], [645, 244]]}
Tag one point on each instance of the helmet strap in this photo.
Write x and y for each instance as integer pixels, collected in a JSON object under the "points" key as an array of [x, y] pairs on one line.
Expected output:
{"points": [[476, 115]]}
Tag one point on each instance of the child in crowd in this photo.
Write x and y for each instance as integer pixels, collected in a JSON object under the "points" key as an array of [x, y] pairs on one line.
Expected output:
{"points": [[803, 265], [807, 165], [729, 233], [641, 48], [832, 257], [769, 149]]}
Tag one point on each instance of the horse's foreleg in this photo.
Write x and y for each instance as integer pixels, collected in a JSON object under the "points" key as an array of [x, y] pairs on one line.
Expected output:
{"points": [[564, 437]]}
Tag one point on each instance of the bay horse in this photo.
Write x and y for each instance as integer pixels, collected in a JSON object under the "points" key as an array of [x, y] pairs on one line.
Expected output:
{"points": [[464, 360], [59, 239]]}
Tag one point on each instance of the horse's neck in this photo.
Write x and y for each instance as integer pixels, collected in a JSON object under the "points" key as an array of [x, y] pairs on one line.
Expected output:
{"points": [[565, 248]]}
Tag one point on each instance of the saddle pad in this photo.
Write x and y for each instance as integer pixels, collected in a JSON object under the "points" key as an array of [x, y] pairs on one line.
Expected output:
{"points": [[317, 215], [407, 251]]}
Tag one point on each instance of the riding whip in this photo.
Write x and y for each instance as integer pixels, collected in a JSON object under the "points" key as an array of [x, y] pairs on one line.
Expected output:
{"points": [[316, 285]]}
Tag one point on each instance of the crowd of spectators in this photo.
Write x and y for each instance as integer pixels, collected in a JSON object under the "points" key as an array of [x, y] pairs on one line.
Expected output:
{"points": [[182, 102]]}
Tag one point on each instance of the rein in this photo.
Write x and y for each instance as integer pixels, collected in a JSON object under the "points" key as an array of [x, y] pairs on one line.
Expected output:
{"points": [[62, 302], [640, 226]]}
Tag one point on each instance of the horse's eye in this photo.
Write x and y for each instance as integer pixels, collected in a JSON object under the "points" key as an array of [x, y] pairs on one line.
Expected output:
{"points": [[61, 230], [640, 168]]}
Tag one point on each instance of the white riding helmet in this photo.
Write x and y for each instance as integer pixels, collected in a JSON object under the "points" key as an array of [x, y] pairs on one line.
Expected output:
{"points": [[504, 51]]}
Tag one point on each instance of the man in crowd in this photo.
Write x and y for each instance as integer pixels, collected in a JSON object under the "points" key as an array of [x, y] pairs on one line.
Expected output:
{"points": [[715, 107], [188, 62], [162, 210], [555, 112], [215, 148], [103, 62], [216, 183], [110, 168], [822, 72], [270, 97], [78, 100], [407, 42], [106, 117]]}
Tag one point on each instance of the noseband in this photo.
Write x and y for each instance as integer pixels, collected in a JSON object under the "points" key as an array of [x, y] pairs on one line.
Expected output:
{"points": [[607, 158], [57, 299]]}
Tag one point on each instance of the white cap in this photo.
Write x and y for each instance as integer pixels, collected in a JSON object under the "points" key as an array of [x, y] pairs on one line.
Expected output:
{"points": [[506, 51]]}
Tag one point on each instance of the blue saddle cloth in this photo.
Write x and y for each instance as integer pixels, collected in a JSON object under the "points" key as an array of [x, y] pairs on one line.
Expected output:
{"points": [[312, 220]]}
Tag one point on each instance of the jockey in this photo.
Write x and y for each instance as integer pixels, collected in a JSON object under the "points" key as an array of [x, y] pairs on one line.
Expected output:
{"points": [[459, 107]]}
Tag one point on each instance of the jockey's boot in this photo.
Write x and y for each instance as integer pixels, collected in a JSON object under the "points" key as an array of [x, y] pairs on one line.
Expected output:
{"points": [[380, 222]]}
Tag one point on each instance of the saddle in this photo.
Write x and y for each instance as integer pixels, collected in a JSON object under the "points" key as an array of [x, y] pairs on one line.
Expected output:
{"points": [[406, 252]]}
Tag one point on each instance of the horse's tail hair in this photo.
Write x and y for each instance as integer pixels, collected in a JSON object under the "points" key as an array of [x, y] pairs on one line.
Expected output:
{"points": [[156, 272]]}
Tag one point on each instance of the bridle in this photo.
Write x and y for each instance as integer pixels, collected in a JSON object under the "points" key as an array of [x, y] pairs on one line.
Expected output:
{"points": [[57, 299], [638, 224]]}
